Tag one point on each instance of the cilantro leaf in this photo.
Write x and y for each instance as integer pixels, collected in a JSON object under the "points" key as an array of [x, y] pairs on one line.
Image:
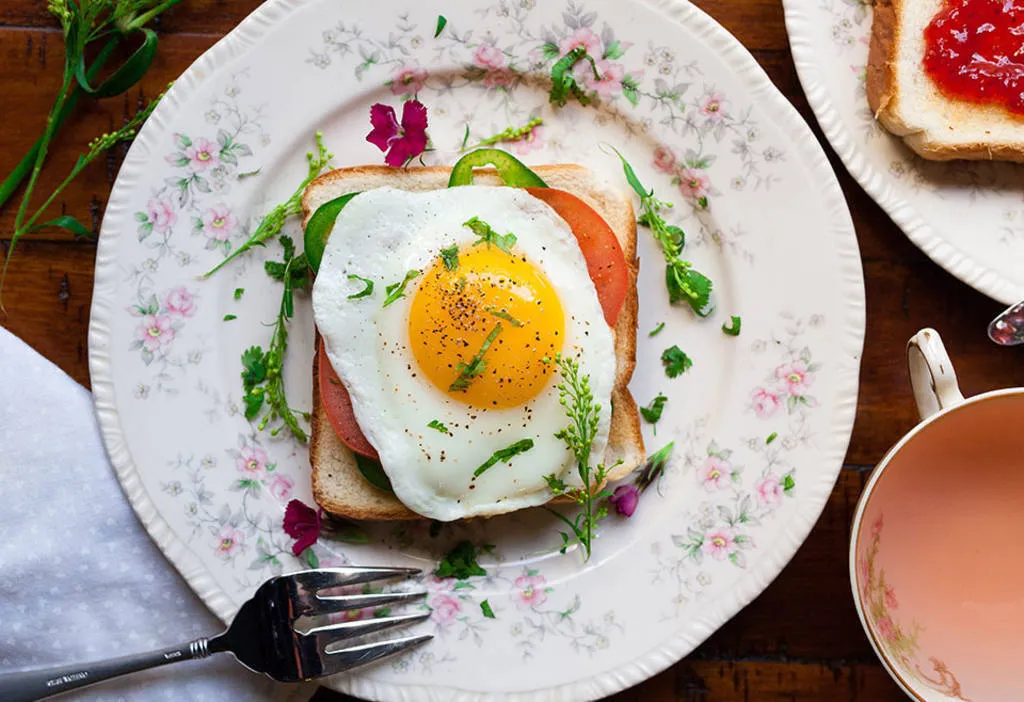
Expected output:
{"points": [[652, 412], [239, 292], [485, 608], [460, 563], [504, 455], [733, 328], [657, 329], [476, 365], [441, 22], [675, 361], [450, 256], [434, 424], [487, 235], [366, 291], [254, 367], [397, 290]]}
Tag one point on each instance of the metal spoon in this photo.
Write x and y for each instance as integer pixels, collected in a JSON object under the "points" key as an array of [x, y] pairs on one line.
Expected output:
{"points": [[1008, 328]]}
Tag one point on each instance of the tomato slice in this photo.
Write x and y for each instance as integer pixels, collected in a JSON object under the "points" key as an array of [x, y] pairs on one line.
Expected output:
{"points": [[338, 406], [605, 261], [606, 265]]}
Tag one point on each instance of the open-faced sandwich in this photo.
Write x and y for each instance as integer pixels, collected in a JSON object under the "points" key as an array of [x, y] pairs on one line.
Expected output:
{"points": [[458, 314]]}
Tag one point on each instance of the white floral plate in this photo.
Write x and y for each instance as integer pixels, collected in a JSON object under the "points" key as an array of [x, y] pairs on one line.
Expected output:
{"points": [[761, 422], [968, 217]]}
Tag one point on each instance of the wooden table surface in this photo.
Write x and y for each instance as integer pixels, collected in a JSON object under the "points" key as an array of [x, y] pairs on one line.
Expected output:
{"points": [[800, 640]]}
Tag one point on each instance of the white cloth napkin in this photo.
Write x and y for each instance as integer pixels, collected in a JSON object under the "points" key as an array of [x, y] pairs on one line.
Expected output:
{"points": [[80, 579]]}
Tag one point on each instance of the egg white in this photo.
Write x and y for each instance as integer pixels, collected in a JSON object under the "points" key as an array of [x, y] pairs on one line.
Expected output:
{"points": [[380, 235]]}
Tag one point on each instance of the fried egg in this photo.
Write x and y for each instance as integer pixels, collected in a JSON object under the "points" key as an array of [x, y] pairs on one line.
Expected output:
{"points": [[448, 361]]}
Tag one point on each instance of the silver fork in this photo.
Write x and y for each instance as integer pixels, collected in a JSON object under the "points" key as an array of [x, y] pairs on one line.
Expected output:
{"points": [[262, 635]]}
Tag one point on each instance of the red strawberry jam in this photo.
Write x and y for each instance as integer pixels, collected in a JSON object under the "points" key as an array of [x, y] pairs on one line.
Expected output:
{"points": [[974, 50]]}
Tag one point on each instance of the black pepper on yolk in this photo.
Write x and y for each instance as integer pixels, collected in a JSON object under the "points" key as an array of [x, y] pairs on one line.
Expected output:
{"points": [[454, 311]]}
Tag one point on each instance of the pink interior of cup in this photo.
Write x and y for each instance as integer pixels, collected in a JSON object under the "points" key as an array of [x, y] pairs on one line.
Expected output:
{"points": [[940, 555]]}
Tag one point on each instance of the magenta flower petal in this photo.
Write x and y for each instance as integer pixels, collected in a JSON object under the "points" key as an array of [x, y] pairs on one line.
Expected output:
{"points": [[385, 126], [302, 523], [414, 119], [625, 499]]}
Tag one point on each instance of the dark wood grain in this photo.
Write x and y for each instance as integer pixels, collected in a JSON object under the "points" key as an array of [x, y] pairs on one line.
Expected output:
{"points": [[800, 641]]}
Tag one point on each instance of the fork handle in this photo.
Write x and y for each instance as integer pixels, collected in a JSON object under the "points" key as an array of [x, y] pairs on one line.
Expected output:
{"points": [[40, 684]]}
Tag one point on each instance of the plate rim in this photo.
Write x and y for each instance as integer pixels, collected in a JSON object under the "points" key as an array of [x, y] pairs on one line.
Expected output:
{"points": [[875, 183], [691, 632]]}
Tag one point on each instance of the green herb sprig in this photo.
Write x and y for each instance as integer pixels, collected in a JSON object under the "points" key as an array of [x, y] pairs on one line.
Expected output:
{"points": [[263, 371], [576, 397], [676, 361], [394, 291], [683, 281], [274, 220], [505, 135], [652, 412]]}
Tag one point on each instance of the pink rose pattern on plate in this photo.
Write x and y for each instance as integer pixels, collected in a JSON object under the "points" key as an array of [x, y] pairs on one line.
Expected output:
{"points": [[880, 604], [160, 319]]}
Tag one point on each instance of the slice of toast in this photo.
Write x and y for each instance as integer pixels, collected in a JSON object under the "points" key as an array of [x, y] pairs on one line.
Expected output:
{"points": [[338, 486], [909, 104]]}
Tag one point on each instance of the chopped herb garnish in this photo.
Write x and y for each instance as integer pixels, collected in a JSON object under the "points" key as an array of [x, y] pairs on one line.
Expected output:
{"points": [[788, 483], [441, 22], [239, 292], [450, 256], [733, 328], [460, 563], [504, 455], [681, 279], [229, 317], [434, 424], [468, 371], [652, 412], [366, 291], [502, 314], [578, 400], [488, 236], [485, 607], [675, 361], [657, 329], [397, 290], [263, 371], [771, 437]]}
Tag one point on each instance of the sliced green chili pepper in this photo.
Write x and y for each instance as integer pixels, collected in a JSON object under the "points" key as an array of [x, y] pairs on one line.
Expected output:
{"points": [[510, 169], [319, 228]]}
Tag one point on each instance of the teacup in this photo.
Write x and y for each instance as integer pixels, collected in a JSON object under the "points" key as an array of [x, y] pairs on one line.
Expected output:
{"points": [[937, 551]]}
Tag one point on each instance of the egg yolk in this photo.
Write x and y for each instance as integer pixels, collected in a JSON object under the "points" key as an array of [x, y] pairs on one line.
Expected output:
{"points": [[481, 330]]}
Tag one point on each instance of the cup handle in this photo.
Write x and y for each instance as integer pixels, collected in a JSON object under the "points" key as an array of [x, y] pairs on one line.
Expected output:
{"points": [[931, 374]]}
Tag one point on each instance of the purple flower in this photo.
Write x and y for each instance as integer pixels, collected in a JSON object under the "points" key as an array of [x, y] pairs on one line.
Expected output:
{"points": [[302, 523], [625, 499], [401, 141]]}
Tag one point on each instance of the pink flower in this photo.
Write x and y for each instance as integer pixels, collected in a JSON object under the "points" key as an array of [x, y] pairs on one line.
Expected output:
{"points": [[886, 629], [302, 523], [625, 499], [445, 609], [890, 598], [716, 473], [154, 331], [765, 403], [665, 159], [489, 56], [161, 215], [531, 142], [401, 141], [252, 460], [180, 301], [436, 584], [501, 78], [712, 107], [202, 154], [219, 223], [582, 37], [719, 542], [408, 80], [692, 184], [876, 528], [530, 591], [796, 377], [769, 491], [281, 487], [610, 81], [229, 541]]}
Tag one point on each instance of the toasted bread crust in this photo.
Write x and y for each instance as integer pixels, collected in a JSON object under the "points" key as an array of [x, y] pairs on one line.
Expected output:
{"points": [[882, 85], [338, 486]]}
